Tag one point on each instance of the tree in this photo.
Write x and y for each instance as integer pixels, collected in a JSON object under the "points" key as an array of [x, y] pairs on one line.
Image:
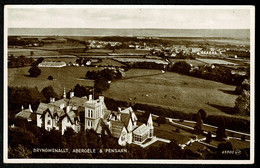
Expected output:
{"points": [[224, 146], [198, 126], [31, 53], [209, 137], [101, 84], [49, 92], [221, 132], [242, 104], [34, 71], [181, 67], [38, 61], [80, 91], [50, 77], [19, 152], [203, 114], [161, 120], [245, 85], [243, 138]]}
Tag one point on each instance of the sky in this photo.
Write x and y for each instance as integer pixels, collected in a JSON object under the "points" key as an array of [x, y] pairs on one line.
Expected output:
{"points": [[163, 17]]}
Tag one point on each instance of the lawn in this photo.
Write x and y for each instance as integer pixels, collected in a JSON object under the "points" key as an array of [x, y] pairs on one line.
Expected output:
{"points": [[167, 131], [211, 129], [175, 91], [66, 77]]}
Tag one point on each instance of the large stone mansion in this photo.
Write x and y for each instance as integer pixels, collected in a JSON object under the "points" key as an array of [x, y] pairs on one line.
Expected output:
{"points": [[86, 113]]}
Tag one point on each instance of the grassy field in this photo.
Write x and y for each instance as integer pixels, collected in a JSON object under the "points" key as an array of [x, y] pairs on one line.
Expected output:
{"points": [[216, 61], [26, 52], [131, 51], [66, 77], [173, 90], [193, 62], [66, 60], [109, 62]]}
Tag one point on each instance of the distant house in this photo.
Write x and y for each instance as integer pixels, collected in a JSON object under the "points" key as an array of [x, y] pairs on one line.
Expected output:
{"points": [[52, 64]]}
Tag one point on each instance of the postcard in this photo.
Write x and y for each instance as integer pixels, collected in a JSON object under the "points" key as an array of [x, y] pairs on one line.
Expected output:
{"points": [[129, 84]]}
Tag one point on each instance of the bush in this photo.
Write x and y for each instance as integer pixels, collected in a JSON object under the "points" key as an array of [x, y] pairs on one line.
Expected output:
{"points": [[50, 78], [34, 71], [161, 120]]}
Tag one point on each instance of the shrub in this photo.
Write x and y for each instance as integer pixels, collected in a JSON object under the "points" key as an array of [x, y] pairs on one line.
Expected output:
{"points": [[34, 71]]}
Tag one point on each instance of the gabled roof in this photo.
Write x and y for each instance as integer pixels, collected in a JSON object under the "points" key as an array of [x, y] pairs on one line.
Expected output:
{"points": [[25, 114], [125, 119], [77, 101], [59, 102], [72, 117], [99, 127], [127, 110], [106, 114], [116, 128], [141, 130], [42, 107]]}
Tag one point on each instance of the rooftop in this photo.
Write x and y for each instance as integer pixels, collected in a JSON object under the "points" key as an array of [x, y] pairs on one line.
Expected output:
{"points": [[141, 130]]}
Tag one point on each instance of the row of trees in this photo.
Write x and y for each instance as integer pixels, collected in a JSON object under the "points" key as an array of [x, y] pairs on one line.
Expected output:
{"points": [[26, 136], [22, 61], [103, 77], [23, 96], [233, 123], [201, 117], [242, 104], [218, 73]]}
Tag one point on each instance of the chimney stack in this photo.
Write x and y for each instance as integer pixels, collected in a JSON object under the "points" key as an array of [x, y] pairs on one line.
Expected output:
{"points": [[52, 99], [30, 108], [71, 94], [101, 98], [90, 97]]}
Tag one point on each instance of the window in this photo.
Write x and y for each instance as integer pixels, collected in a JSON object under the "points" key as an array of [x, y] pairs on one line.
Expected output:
{"points": [[88, 113], [49, 122]]}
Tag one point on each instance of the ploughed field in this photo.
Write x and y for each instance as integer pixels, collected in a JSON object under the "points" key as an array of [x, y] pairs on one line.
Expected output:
{"points": [[173, 90]]}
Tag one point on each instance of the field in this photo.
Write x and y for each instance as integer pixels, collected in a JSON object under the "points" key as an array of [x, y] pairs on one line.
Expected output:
{"points": [[26, 52], [175, 91], [131, 51], [193, 62], [108, 62], [66, 60], [216, 61], [141, 60], [66, 77]]}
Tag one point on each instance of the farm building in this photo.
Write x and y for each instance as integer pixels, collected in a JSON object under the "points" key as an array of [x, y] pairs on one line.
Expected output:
{"points": [[52, 64]]}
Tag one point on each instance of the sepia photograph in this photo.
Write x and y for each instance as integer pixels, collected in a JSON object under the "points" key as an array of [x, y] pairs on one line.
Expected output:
{"points": [[167, 84]]}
